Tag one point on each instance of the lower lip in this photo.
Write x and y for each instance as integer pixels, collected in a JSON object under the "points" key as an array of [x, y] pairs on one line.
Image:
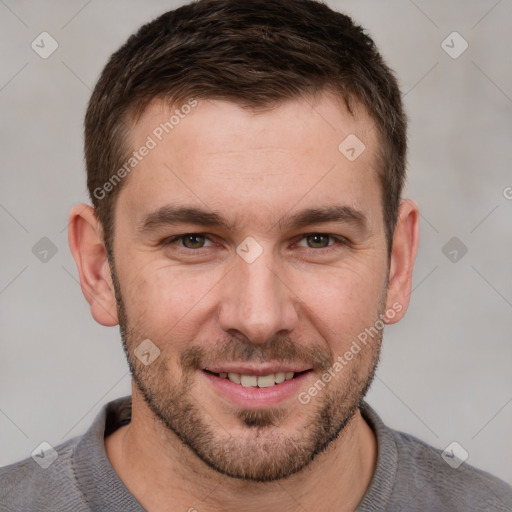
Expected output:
{"points": [[256, 398]]}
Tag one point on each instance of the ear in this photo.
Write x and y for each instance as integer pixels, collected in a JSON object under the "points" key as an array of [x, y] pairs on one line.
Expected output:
{"points": [[85, 237], [405, 247]]}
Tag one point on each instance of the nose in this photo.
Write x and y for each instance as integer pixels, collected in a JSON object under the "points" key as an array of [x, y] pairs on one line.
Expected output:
{"points": [[256, 301]]}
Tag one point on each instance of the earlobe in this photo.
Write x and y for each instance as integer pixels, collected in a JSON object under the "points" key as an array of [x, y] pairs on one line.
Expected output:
{"points": [[86, 244], [405, 248]]}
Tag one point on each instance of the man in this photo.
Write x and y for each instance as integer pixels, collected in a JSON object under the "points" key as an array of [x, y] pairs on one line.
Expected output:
{"points": [[245, 161]]}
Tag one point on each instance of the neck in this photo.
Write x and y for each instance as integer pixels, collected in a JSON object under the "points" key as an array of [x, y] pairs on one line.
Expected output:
{"points": [[159, 469]]}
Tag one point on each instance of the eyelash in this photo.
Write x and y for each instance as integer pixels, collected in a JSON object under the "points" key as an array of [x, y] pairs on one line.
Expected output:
{"points": [[339, 241]]}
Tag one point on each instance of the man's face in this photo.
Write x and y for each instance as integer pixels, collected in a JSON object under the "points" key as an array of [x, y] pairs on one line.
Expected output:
{"points": [[290, 298]]}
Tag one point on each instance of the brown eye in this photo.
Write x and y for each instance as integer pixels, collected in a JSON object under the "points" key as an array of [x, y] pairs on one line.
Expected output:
{"points": [[188, 241], [318, 240], [193, 241]]}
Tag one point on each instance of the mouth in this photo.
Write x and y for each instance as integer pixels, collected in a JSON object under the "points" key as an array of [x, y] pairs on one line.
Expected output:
{"points": [[258, 381], [251, 388]]}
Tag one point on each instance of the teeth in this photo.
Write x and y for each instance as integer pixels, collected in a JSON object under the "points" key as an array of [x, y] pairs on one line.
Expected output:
{"points": [[266, 381], [280, 377], [249, 381], [234, 377], [253, 381]]}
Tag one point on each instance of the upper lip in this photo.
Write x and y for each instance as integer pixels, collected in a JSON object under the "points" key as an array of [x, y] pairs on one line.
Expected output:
{"points": [[266, 369]]}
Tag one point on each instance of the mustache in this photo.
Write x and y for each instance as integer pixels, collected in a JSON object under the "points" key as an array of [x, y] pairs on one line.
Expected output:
{"points": [[277, 348]]}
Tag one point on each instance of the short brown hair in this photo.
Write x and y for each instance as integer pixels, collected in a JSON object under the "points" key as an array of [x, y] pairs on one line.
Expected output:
{"points": [[256, 53]]}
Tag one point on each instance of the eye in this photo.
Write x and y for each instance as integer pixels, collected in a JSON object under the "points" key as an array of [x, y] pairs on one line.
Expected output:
{"points": [[189, 240], [320, 240], [192, 242]]}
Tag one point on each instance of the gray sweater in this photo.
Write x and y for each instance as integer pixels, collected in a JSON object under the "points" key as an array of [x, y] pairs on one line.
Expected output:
{"points": [[410, 476]]}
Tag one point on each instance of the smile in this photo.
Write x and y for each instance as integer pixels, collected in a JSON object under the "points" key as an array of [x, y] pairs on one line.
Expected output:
{"points": [[246, 390], [257, 381]]}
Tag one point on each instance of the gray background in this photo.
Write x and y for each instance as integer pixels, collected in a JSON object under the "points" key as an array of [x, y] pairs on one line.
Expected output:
{"points": [[445, 373]]}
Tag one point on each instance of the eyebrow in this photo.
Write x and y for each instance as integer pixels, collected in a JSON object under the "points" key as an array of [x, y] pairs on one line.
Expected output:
{"points": [[174, 215]]}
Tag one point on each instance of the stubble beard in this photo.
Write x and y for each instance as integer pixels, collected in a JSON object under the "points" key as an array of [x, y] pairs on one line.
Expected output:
{"points": [[265, 452]]}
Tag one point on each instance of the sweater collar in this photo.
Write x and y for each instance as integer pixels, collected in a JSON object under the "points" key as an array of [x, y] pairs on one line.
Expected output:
{"points": [[104, 490]]}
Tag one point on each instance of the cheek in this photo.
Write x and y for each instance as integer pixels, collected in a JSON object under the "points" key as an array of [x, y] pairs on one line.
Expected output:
{"points": [[171, 305], [342, 302], [166, 303]]}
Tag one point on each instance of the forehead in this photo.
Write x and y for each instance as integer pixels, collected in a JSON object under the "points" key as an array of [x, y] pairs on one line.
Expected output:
{"points": [[217, 154]]}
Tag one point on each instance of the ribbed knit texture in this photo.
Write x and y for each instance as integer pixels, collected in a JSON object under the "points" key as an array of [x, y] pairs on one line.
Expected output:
{"points": [[410, 476]]}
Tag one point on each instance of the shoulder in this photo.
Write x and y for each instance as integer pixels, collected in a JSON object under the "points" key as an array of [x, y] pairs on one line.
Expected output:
{"points": [[436, 484], [45, 482], [413, 476]]}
